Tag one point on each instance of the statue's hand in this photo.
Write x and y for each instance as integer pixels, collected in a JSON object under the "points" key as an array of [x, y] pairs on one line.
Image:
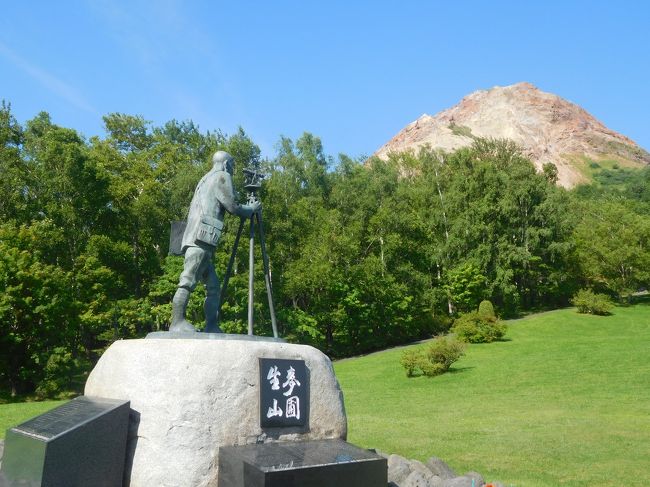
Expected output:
{"points": [[256, 207]]}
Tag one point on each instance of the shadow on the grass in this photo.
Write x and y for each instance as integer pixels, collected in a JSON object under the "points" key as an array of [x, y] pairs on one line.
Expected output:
{"points": [[459, 370]]}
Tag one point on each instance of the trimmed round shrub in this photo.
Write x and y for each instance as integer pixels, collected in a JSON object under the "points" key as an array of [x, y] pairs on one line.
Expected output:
{"points": [[486, 311], [589, 302], [472, 328]]}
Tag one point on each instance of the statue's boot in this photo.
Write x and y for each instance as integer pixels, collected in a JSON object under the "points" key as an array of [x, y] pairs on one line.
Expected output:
{"points": [[211, 308], [179, 305]]}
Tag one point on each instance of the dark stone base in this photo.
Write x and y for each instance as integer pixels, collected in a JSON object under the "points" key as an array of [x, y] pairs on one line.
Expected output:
{"points": [[78, 444], [323, 463]]}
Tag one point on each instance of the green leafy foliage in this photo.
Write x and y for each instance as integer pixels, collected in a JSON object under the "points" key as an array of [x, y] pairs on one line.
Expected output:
{"points": [[479, 326], [465, 286], [365, 253], [589, 302], [434, 359], [612, 241], [64, 372]]}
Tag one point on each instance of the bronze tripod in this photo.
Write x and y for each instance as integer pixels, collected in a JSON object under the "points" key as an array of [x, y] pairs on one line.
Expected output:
{"points": [[255, 218]]}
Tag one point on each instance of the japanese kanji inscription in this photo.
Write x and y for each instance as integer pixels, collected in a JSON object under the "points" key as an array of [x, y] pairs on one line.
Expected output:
{"points": [[284, 393]]}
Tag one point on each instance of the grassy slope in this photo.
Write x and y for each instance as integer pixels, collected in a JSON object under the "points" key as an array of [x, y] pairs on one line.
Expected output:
{"points": [[565, 402], [583, 164]]}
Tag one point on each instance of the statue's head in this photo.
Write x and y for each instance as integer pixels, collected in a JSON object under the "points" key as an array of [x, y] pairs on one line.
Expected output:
{"points": [[223, 161]]}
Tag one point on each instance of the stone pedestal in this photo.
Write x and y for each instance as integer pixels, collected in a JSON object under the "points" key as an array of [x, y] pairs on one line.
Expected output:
{"points": [[77, 444], [189, 397], [322, 463]]}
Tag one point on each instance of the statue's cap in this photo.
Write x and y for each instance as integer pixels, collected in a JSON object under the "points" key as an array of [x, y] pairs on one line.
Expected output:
{"points": [[221, 158]]}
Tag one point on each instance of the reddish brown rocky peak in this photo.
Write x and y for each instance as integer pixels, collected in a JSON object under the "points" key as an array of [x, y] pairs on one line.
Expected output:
{"points": [[547, 127]]}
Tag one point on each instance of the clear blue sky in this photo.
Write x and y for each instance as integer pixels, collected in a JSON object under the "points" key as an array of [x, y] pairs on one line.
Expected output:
{"points": [[352, 73]]}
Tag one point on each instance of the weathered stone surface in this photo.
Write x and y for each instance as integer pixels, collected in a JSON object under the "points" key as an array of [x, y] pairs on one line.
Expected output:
{"points": [[478, 478], [417, 466], [416, 479], [440, 468], [463, 481], [398, 469], [188, 397], [432, 479]]}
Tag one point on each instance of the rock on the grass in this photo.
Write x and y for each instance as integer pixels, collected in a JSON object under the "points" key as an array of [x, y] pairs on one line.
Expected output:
{"points": [[416, 479], [411, 473], [440, 468], [190, 396], [420, 467], [436, 473], [464, 481], [478, 478], [398, 469]]}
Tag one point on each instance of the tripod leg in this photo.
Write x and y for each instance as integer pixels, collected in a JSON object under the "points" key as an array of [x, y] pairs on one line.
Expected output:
{"points": [[251, 275], [226, 278], [267, 274]]}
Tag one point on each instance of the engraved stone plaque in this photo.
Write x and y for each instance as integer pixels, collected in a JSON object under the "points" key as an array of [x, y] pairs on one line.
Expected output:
{"points": [[80, 443], [284, 393], [322, 463]]}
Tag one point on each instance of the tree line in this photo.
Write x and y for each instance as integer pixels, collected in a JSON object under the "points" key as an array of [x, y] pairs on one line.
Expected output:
{"points": [[364, 253]]}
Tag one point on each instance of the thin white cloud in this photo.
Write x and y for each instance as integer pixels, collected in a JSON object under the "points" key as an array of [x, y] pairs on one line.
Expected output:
{"points": [[163, 41], [48, 80]]}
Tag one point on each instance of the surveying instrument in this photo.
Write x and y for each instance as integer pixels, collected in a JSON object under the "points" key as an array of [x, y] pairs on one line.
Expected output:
{"points": [[253, 178]]}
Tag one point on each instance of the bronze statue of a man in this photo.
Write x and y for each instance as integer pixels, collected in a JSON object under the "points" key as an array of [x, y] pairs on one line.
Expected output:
{"points": [[214, 195]]}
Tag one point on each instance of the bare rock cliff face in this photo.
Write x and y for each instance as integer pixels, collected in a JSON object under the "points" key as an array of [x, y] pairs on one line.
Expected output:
{"points": [[547, 127]]}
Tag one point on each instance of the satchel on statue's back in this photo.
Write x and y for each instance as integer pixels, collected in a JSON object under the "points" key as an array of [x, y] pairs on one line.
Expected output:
{"points": [[209, 230]]}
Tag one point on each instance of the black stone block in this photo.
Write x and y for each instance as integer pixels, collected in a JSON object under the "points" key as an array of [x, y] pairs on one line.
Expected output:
{"points": [[284, 393], [322, 463], [79, 444]]}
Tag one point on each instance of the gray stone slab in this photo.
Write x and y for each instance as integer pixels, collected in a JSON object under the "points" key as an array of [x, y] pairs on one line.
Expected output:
{"points": [[80, 443], [190, 397], [170, 335], [323, 463]]}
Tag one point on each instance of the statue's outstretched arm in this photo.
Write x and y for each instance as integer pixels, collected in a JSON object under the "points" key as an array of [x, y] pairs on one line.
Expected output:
{"points": [[228, 198]]}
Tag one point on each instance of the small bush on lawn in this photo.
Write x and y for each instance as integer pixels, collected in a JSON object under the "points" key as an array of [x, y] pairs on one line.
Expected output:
{"points": [[433, 360], [411, 361], [592, 303], [486, 311], [480, 326]]}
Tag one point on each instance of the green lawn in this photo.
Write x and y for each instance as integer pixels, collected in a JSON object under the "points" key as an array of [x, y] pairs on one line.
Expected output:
{"points": [[565, 402]]}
